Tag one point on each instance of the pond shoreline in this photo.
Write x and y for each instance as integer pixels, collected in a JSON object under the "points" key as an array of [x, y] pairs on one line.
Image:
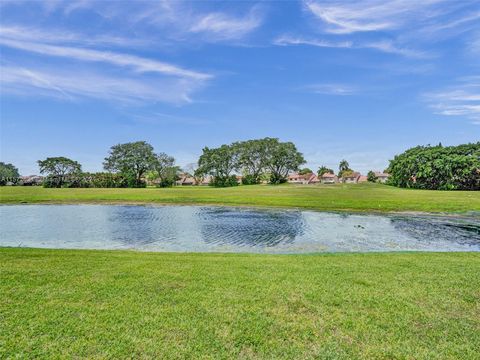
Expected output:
{"points": [[440, 214]]}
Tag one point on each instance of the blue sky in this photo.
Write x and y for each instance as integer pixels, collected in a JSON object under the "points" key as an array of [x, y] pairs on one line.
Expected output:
{"points": [[360, 80]]}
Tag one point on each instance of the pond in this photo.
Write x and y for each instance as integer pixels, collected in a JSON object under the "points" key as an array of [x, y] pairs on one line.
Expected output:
{"points": [[229, 229]]}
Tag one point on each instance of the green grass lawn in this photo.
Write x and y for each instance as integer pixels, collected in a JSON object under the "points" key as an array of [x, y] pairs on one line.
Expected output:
{"points": [[118, 304], [355, 197]]}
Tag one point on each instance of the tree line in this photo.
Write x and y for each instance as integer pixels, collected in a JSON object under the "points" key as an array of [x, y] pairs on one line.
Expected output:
{"points": [[131, 164], [260, 160]]}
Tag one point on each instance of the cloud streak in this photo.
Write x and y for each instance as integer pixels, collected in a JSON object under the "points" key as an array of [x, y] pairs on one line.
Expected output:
{"points": [[347, 17], [331, 89], [223, 26], [73, 85], [460, 100], [385, 46], [137, 63]]}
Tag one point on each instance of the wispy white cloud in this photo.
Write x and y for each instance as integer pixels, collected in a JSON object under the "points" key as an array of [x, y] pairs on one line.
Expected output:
{"points": [[285, 40], [386, 46], [331, 89], [178, 19], [61, 36], [460, 100], [403, 27], [346, 17], [137, 63], [72, 85], [223, 26]]}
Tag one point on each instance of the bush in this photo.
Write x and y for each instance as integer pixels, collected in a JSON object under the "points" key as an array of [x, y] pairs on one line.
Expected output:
{"points": [[250, 180], [276, 179], [224, 181]]}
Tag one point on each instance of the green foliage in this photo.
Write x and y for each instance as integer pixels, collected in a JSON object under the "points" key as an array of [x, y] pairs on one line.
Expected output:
{"points": [[371, 176], [252, 159], [322, 170], [60, 171], [344, 169], [220, 163], [250, 180], [305, 171], [8, 173], [281, 158], [165, 173], [437, 168], [132, 160], [224, 181], [347, 173]]}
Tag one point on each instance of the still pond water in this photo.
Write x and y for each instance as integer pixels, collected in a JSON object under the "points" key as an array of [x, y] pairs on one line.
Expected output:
{"points": [[226, 229]]}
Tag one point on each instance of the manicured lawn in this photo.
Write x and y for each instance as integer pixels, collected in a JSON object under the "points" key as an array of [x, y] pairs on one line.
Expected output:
{"points": [[115, 304], [356, 197]]}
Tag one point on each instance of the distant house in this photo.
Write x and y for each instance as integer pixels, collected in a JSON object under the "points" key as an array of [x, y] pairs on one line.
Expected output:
{"points": [[351, 178], [362, 179], [328, 178], [185, 180], [381, 177], [314, 179], [31, 180], [305, 179]]}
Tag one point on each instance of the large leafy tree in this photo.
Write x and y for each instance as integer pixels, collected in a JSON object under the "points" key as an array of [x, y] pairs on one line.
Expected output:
{"points": [[165, 170], [252, 159], [8, 172], [221, 163], [132, 160], [282, 157], [437, 167], [59, 170]]}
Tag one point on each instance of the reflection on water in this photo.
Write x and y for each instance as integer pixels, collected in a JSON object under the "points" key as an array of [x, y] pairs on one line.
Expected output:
{"points": [[193, 228], [250, 228]]}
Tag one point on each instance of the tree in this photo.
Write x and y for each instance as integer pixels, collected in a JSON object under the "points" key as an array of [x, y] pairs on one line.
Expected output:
{"points": [[252, 159], [281, 158], [305, 171], [8, 173], [371, 176], [322, 170], [132, 160], [220, 163], [164, 169], [58, 170], [437, 167], [343, 167]]}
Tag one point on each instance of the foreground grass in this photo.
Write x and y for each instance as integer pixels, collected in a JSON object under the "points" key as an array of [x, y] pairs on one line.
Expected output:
{"points": [[114, 304], [355, 197]]}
